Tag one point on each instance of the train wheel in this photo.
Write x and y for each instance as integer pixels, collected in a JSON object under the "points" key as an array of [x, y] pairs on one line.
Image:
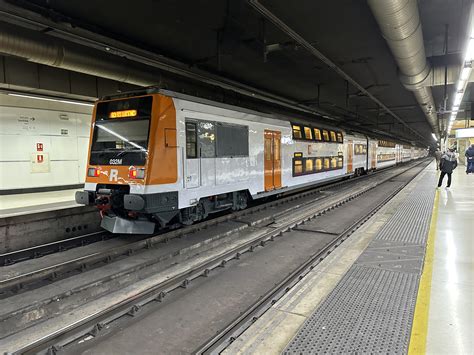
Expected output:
{"points": [[240, 200]]}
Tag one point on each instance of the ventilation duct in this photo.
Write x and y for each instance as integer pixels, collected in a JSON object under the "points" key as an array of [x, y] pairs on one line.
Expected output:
{"points": [[399, 21], [38, 48]]}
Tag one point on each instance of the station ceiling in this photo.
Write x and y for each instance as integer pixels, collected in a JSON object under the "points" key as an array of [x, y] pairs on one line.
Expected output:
{"points": [[227, 38]]}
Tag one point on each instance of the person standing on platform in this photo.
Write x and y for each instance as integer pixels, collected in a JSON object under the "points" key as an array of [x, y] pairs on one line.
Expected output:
{"points": [[438, 155], [447, 165], [469, 154]]}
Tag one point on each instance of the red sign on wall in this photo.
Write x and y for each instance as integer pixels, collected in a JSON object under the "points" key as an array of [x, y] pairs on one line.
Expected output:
{"points": [[39, 158], [39, 147]]}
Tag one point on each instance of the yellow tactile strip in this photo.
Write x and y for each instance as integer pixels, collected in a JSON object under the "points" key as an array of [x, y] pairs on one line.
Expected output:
{"points": [[420, 321]]}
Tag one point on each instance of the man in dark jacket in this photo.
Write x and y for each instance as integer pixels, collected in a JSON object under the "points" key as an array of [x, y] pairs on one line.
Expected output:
{"points": [[447, 165], [470, 159]]}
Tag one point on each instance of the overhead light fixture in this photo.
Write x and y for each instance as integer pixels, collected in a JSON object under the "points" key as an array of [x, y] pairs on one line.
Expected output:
{"points": [[50, 99], [457, 99], [434, 137], [465, 73], [461, 85], [470, 49]]}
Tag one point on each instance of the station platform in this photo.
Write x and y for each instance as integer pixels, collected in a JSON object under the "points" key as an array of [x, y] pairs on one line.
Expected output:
{"points": [[30, 203], [402, 283]]}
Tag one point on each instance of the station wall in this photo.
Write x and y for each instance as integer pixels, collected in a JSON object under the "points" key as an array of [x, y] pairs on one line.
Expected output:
{"points": [[42, 143]]}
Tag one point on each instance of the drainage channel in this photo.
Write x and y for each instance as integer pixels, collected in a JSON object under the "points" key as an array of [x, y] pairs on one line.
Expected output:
{"points": [[54, 272], [93, 324]]}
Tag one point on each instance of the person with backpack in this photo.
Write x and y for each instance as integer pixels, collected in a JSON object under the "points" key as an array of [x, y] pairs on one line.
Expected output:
{"points": [[447, 165], [469, 154]]}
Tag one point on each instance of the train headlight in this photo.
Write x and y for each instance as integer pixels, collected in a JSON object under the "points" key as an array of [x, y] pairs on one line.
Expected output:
{"points": [[134, 173], [93, 172]]}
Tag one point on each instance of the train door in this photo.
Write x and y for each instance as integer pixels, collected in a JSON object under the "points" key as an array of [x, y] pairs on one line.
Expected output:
{"points": [[350, 156], [373, 150], [191, 157], [272, 160]]}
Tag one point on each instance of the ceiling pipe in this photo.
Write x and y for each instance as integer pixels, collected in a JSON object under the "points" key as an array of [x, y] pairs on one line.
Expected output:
{"points": [[400, 24], [97, 46], [312, 50], [39, 48]]}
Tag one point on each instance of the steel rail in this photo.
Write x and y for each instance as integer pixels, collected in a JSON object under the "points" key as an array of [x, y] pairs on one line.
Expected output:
{"points": [[51, 272], [51, 247], [93, 323], [226, 336]]}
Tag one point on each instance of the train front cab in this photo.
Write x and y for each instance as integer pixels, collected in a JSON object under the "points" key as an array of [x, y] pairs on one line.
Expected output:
{"points": [[132, 163]]}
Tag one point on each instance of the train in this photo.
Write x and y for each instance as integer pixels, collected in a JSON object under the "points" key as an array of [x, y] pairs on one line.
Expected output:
{"points": [[158, 158]]}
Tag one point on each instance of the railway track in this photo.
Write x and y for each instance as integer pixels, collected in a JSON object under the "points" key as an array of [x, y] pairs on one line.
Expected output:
{"points": [[53, 247], [34, 252], [94, 323], [130, 245]]}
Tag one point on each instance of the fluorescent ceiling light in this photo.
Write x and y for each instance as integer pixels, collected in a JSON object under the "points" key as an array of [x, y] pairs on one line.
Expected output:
{"points": [[434, 137], [457, 99], [461, 84], [54, 100], [465, 73], [470, 50]]}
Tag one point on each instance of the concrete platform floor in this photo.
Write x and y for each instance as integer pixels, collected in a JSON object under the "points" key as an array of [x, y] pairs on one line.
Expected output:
{"points": [[444, 317], [451, 309], [21, 204]]}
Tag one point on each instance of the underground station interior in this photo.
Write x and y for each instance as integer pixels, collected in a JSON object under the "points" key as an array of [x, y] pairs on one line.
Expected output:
{"points": [[236, 177]]}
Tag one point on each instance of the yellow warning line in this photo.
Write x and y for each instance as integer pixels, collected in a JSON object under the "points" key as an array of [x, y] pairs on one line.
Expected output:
{"points": [[419, 330]]}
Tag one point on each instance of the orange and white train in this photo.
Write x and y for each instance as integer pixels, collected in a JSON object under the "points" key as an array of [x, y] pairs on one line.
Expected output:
{"points": [[159, 158]]}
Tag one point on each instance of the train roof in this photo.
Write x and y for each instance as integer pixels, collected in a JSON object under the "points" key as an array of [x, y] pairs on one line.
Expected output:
{"points": [[318, 121]]}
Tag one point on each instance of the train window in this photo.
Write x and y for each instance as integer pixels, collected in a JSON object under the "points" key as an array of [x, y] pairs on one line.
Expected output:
{"points": [[191, 140], [333, 163], [319, 164], [207, 139], [121, 132], [232, 140], [326, 135], [360, 149], [339, 137], [333, 136], [297, 166], [308, 165], [326, 164], [384, 143], [317, 134], [339, 162], [297, 134], [307, 133]]}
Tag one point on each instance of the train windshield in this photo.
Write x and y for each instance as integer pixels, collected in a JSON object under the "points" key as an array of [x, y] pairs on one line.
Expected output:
{"points": [[121, 132]]}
